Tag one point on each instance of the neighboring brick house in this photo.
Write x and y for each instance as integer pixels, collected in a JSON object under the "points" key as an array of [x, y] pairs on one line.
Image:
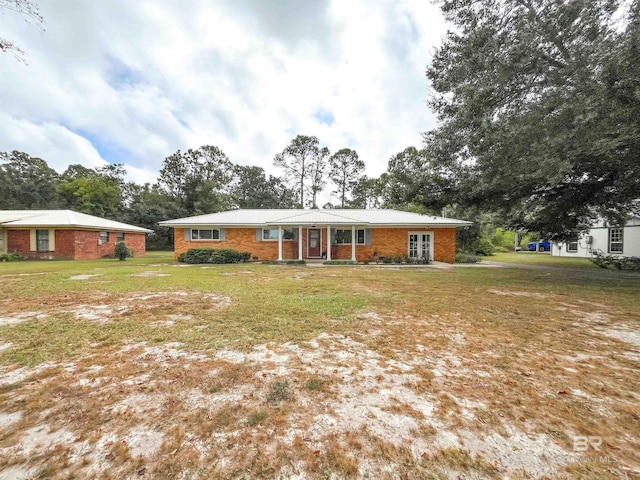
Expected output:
{"points": [[304, 234], [65, 234]]}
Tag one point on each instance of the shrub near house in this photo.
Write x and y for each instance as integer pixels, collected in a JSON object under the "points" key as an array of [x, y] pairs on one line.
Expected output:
{"points": [[210, 255]]}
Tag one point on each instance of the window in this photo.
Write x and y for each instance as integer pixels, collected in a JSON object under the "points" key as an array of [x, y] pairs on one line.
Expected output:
{"points": [[1, 241], [615, 240], [343, 237], [572, 247], [104, 237], [120, 237], [42, 240], [211, 234], [272, 234]]}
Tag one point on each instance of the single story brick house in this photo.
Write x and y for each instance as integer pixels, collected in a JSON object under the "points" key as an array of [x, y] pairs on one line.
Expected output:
{"points": [[65, 234], [304, 234]]}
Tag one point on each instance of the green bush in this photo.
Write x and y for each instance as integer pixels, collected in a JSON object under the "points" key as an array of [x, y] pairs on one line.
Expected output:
{"points": [[484, 248], [619, 263], [210, 255], [121, 251], [12, 257], [467, 258], [397, 259], [386, 260], [339, 262]]}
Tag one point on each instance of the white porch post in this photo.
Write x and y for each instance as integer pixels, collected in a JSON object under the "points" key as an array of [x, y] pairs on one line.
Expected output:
{"points": [[353, 243], [279, 243], [300, 242], [328, 243]]}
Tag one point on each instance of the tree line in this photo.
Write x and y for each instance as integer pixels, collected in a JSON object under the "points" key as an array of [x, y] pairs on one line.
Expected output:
{"points": [[194, 182]]}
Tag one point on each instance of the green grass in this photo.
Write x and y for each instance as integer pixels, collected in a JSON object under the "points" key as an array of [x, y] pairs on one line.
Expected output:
{"points": [[540, 258], [269, 303]]}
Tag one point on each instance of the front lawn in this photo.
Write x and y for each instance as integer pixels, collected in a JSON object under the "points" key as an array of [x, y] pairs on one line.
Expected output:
{"points": [[540, 258], [152, 369]]}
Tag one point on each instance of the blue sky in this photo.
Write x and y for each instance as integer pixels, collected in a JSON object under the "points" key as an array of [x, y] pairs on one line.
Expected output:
{"points": [[132, 82]]}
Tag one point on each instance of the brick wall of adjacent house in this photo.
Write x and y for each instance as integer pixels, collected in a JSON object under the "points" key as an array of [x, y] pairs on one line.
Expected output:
{"points": [[87, 244], [65, 244], [19, 241], [74, 244], [384, 242], [136, 242]]}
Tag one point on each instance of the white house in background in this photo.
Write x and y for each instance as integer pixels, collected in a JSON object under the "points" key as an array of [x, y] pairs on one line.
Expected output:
{"points": [[602, 238]]}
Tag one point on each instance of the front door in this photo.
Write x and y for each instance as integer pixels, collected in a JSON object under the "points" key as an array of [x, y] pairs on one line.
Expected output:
{"points": [[315, 243], [420, 245]]}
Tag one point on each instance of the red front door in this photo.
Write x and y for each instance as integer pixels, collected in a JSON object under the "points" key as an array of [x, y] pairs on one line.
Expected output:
{"points": [[315, 243]]}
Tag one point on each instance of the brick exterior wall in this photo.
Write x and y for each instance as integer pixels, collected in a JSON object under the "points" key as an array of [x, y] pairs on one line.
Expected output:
{"points": [[65, 244], [384, 242], [19, 241], [136, 242], [74, 244]]}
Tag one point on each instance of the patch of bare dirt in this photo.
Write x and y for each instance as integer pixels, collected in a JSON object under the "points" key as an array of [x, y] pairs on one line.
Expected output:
{"points": [[85, 276], [342, 396], [104, 307], [13, 319], [150, 273]]}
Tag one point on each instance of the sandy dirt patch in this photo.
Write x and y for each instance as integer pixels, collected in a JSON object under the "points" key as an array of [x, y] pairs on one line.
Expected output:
{"points": [[103, 307], [16, 318], [85, 276], [339, 390], [150, 273]]}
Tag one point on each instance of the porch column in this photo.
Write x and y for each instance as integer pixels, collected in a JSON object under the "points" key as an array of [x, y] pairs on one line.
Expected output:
{"points": [[279, 244], [353, 243], [328, 243], [300, 243]]}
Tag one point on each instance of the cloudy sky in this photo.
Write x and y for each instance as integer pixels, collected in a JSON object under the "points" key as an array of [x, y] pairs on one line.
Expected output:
{"points": [[132, 82]]}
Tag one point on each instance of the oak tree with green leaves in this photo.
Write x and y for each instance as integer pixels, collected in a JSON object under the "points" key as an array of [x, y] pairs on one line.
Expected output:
{"points": [[197, 179], [26, 182], [538, 103]]}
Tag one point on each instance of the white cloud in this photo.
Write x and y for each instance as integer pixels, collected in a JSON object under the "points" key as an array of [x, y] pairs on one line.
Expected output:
{"points": [[132, 82]]}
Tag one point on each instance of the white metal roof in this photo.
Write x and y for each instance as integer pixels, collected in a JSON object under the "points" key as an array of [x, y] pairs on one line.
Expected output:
{"points": [[62, 218], [237, 218]]}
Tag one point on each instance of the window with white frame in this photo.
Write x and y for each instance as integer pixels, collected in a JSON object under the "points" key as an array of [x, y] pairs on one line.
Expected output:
{"points": [[42, 240], [104, 237], [208, 234], [343, 237], [120, 237], [272, 234], [616, 239], [572, 247]]}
